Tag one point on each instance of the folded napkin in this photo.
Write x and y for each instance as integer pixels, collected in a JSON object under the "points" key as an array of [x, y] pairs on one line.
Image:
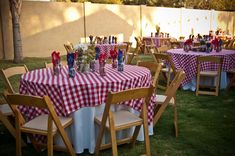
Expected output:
{"points": [[69, 47], [55, 56]]}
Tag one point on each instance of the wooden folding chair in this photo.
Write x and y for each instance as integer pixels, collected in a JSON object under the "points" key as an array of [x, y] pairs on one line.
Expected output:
{"points": [[138, 49], [162, 49], [6, 74], [128, 53], [155, 69], [5, 110], [174, 43], [232, 80], [231, 44], [5, 114], [116, 121], [168, 68], [149, 47], [169, 98], [216, 74], [45, 124]]}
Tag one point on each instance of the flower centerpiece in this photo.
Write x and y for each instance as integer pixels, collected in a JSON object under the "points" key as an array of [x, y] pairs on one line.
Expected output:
{"points": [[85, 55]]}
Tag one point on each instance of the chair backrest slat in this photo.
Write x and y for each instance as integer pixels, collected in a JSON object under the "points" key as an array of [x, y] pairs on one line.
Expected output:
{"points": [[212, 59], [26, 100], [10, 72], [166, 57], [174, 85], [154, 68], [130, 94]]}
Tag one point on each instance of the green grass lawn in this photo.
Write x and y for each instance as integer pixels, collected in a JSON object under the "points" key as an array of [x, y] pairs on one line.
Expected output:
{"points": [[206, 126]]}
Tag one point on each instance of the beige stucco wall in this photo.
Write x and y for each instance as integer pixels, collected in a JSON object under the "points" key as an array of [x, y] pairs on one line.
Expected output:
{"points": [[118, 20], [167, 18], [46, 26], [195, 21]]}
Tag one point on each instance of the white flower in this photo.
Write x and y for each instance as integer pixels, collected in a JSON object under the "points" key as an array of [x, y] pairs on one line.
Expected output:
{"points": [[81, 46]]}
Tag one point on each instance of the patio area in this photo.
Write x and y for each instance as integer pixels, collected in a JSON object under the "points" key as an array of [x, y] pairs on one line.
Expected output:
{"points": [[82, 78], [206, 126]]}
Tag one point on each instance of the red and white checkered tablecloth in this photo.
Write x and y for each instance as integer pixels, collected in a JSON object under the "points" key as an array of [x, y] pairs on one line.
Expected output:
{"points": [[188, 61], [158, 41], [84, 90], [105, 48]]}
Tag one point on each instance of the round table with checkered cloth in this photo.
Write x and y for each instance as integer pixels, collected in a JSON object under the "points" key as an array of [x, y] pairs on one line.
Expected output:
{"points": [[188, 61], [84, 92]]}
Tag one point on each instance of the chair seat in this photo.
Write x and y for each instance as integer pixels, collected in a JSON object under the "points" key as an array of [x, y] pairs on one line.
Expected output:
{"points": [[121, 118], [131, 53], [232, 71], [166, 69], [5, 109], [40, 123], [209, 73], [162, 98]]}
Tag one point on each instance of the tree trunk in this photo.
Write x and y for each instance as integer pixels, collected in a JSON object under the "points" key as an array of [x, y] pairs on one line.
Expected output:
{"points": [[15, 6]]}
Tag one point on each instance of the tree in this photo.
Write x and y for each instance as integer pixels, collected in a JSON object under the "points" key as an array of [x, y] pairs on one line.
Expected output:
{"points": [[15, 7]]}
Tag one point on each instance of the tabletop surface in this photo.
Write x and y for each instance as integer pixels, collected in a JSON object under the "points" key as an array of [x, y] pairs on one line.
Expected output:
{"points": [[181, 51]]}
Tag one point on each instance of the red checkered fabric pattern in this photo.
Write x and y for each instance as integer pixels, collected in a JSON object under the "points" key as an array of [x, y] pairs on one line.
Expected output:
{"points": [[156, 40], [105, 48], [84, 90], [188, 61]]}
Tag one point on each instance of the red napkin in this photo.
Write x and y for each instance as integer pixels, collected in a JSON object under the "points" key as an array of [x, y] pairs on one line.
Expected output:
{"points": [[55, 57]]}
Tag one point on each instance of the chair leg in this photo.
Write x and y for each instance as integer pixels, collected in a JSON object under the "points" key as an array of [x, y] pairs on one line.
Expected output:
{"points": [[217, 87], [175, 120], [146, 135], [9, 126], [197, 85], [18, 136], [231, 82], [135, 134], [168, 78], [113, 135], [50, 138]]}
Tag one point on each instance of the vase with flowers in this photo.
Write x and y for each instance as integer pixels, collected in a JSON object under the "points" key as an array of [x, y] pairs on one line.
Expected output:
{"points": [[85, 54]]}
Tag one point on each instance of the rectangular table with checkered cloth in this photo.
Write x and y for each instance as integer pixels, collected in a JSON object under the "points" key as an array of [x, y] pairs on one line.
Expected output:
{"points": [[158, 41]]}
